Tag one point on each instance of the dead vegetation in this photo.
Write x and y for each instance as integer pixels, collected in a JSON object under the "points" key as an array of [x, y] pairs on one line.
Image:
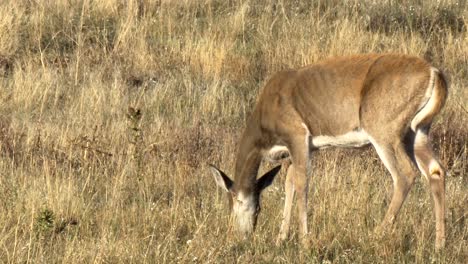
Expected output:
{"points": [[85, 178]]}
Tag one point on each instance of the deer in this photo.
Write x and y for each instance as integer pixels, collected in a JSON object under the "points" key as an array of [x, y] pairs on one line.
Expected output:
{"points": [[385, 100]]}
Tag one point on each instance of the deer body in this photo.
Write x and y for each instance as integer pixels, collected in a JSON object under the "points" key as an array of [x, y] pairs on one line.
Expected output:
{"points": [[387, 100]]}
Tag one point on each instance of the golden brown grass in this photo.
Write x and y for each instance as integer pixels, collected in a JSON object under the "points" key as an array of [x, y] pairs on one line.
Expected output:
{"points": [[83, 178]]}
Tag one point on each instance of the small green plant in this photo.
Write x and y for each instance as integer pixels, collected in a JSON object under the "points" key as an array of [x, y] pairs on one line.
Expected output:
{"points": [[44, 223]]}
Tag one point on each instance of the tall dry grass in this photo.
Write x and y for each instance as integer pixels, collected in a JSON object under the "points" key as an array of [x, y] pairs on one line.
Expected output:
{"points": [[109, 111]]}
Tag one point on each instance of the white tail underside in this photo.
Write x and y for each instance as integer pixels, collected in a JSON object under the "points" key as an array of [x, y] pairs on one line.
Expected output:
{"points": [[429, 104]]}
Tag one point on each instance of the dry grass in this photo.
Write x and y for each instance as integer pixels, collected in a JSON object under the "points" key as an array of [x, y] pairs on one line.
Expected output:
{"points": [[83, 178]]}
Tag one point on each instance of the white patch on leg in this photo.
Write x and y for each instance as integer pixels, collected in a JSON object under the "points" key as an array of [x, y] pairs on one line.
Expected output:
{"points": [[276, 153], [434, 168], [277, 148], [244, 209]]}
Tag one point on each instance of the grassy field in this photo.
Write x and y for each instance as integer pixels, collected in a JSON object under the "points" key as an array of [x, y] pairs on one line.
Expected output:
{"points": [[110, 111]]}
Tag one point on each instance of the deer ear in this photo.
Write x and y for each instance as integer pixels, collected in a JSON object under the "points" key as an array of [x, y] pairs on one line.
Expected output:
{"points": [[222, 180], [267, 179]]}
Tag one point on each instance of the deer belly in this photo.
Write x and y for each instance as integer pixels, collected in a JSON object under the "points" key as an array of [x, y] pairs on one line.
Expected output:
{"points": [[352, 139]]}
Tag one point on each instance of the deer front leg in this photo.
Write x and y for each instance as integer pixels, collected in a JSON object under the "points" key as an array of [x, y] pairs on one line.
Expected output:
{"points": [[289, 190], [300, 154], [301, 186]]}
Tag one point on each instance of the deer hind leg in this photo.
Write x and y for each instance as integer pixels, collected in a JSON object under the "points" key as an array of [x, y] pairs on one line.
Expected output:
{"points": [[435, 174], [399, 164], [289, 190]]}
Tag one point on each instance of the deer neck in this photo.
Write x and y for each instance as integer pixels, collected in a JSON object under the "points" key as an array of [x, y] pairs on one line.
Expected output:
{"points": [[248, 159]]}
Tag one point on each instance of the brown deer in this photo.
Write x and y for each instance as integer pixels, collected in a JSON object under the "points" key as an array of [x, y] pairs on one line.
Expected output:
{"points": [[387, 100]]}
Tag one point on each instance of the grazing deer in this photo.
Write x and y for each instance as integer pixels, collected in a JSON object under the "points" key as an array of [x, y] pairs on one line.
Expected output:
{"points": [[387, 100]]}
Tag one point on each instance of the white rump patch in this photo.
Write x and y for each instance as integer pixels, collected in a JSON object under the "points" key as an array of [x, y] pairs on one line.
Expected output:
{"points": [[353, 139]]}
